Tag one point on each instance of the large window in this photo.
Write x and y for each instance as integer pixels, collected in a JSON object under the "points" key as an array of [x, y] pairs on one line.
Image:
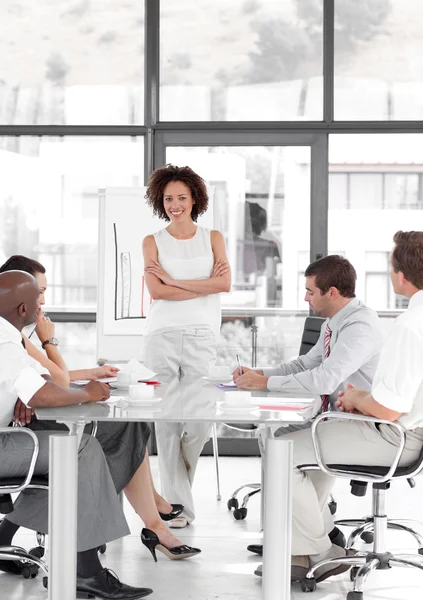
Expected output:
{"points": [[243, 60], [378, 49], [49, 205], [65, 62], [374, 190]]}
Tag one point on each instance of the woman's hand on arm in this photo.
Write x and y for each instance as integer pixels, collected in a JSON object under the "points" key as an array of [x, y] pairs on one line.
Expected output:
{"points": [[155, 268], [58, 374], [159, 290], [220, 278]]}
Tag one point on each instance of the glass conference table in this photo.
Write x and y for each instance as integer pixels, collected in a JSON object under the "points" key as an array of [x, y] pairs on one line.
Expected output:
{"points": [[198, 401]]}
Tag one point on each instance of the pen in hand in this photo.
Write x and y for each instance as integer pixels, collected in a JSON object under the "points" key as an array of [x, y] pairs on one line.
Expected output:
{"points": [[239, 364]]}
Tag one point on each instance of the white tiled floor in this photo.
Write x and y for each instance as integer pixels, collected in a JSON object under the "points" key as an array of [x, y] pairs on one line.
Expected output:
{"points": [[224, 570]]}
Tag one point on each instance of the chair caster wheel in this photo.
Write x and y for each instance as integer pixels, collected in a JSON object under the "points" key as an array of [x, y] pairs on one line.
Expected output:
{"points": [[308, 585], [30, 571], [38, 551], [240, 513], [102, 549], [333, 506], [367, 537], [355, 596], [45, 582], [353, 573], [232, 503]]}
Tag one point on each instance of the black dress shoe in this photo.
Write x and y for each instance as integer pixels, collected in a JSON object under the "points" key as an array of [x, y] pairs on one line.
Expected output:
{"points": [[256, 548], [175, 512], [337, 538], [13, 567], [106, 585]]}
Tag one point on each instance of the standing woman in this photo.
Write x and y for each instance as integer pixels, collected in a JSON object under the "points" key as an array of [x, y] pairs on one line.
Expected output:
{"points": [[186, 269]]}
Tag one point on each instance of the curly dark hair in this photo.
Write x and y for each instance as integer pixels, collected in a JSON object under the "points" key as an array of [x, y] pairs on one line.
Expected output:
{"points": [[164, 175]]}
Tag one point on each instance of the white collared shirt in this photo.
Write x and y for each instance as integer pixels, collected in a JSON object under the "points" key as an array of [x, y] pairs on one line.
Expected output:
{"points": [[355, 346], [20, 375], [398, 382]]}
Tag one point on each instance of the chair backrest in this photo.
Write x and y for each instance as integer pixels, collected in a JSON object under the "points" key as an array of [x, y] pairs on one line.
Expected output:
{"points": [[311, 333]]}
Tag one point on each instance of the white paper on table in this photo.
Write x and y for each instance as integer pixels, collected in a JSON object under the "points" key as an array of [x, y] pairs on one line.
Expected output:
{"points": [[102, 380]]}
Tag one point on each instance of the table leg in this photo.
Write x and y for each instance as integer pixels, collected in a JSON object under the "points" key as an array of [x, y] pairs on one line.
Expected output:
{"points": [[62, 518], [277, 519]]}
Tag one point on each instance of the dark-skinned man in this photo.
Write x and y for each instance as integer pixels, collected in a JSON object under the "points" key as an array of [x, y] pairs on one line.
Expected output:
{"points": [[100, 516]]}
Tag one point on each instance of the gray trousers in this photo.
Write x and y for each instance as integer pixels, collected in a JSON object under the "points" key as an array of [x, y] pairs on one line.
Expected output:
{"points": [[345, 442], [100, 515], [180, 358]]}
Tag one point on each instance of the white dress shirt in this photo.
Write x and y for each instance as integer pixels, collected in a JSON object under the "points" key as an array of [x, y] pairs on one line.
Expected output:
{"points": [[355, 345], [398, 382], [20, 375]]}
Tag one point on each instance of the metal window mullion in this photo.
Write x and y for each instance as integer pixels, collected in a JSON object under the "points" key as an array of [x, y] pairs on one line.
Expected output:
{"points": [[151, 79], [319, 187], [328, 60]]}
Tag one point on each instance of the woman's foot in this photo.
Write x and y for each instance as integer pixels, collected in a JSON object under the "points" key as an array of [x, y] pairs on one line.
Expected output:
{"points": [[165, 536], [152, 541], [163, 506], [178, 523]]}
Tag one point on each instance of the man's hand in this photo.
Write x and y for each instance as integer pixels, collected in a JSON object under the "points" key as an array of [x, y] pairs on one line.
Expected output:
{"points": [[346, 400], [155, 268], [104, 371], [251, 381], [236, 374], [44, 328], [97, 391], [23, 414], [220, 268]]}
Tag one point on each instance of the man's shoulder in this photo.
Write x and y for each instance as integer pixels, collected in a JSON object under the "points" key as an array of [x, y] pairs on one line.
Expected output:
{"points": [[361, 311], [362, 315]]}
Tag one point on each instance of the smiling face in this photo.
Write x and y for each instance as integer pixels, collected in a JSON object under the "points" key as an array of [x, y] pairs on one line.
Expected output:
{"points": [[42, 282], [177, 201]]}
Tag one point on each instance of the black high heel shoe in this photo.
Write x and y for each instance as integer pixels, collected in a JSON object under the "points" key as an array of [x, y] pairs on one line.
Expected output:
{"points": [[175, 512], [152, 542]]}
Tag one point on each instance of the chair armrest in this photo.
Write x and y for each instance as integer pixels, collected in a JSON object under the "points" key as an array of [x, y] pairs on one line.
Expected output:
{"points": [[21, 431], [355, 475]]}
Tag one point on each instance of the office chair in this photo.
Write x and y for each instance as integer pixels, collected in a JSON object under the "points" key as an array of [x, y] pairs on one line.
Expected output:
{"points": [[311, 333], [14, 485], [379, 558]]}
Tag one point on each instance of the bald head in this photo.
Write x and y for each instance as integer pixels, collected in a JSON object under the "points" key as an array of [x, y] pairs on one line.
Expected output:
{"points": [[19, 293]]}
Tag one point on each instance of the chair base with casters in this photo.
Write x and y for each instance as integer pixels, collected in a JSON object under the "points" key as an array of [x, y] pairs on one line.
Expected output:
{"points": [[363, 563], [240, 512], [31, 558], [379, 558]]}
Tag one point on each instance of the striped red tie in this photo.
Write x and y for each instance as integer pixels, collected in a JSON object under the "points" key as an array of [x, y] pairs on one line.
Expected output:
{"points": [[328, 334]]}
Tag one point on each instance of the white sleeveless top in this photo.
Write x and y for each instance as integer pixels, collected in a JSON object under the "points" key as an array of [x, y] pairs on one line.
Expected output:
{"points": [[185, 259]]}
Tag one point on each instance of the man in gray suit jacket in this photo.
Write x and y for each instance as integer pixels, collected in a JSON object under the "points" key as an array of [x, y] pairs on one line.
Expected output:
{"points": [[100, 515], [346, 353]]}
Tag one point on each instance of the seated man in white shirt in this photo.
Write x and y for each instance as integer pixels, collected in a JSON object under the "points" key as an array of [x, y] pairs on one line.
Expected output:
{"points": [[396, 395], [347, 351], [100, 515]]}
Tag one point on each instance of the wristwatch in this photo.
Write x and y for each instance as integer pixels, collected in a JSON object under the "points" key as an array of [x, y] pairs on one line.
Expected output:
{"points": [[53, 341]]}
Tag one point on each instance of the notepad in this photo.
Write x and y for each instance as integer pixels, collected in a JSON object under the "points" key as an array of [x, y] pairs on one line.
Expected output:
{"points": [[227, 386]]}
